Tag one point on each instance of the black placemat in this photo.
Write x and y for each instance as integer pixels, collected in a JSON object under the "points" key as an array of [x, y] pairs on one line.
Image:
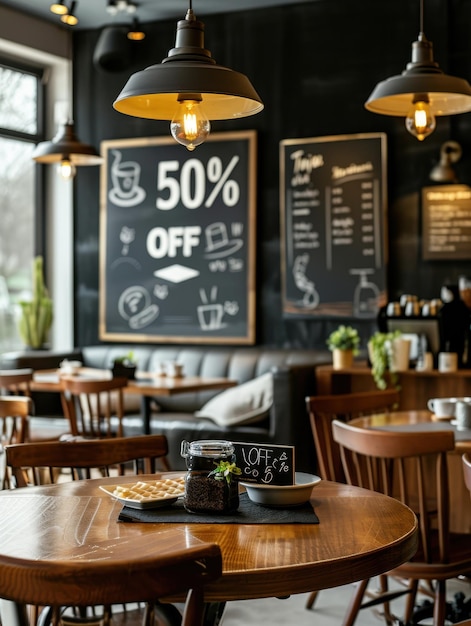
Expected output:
{"points": [[248, 513]]}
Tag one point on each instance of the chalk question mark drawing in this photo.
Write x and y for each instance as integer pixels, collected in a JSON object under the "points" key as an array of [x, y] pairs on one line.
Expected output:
{"points": [[135, 307]]}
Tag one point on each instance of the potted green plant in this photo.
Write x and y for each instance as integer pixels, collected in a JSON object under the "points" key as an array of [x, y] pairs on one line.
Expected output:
{"points": [[343, 343], [124, 366], [382, 350], [36, 314]]}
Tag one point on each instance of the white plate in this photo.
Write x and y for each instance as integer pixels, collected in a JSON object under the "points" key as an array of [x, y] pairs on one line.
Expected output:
{"points": [[283, 495], [149, 502]]}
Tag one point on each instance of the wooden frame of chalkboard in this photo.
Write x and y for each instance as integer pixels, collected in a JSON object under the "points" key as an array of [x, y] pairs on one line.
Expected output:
{"points": [[333, 223], [177, 240], [446, 222]]}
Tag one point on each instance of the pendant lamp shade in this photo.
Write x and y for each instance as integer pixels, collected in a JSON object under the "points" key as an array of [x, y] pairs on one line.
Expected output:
{"points": [[188, 73], [422, 79], [65, 145]]}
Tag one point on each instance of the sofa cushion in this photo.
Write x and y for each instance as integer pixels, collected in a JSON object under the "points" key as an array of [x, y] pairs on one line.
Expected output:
{"points": [[244, 404]]}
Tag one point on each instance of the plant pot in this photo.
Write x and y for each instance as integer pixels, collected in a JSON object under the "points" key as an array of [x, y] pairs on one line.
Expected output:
{"points": [[124, 371], [342, 359]]}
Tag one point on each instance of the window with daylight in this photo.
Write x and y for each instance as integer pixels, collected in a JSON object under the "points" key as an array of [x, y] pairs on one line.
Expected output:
{"points": [[20, 130]]}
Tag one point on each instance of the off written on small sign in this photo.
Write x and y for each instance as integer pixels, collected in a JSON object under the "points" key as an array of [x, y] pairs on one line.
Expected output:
{"points": [[265, 464]]}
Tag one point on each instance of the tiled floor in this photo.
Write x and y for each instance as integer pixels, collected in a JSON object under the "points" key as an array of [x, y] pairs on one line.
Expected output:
{"points": [[329, 609]]}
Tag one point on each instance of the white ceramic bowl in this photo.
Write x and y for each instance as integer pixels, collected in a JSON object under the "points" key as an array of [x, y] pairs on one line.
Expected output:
{"points": [[283, 495]]}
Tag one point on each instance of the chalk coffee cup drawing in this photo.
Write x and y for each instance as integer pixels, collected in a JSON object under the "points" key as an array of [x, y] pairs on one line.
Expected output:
{"points": [[463, 414], [447, 362], [442, 407]]}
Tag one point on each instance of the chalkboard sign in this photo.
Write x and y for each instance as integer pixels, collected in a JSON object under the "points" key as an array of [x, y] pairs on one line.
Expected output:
{"points": [[267, 464], [333, 222], [177, 240], [446, 222]]}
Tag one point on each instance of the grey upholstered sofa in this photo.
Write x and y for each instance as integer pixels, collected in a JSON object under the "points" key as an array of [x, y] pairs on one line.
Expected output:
{"points": [[286, 422]]}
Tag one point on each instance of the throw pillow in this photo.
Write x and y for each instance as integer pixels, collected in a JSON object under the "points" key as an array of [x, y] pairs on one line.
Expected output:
{"points": [[246, 403]]}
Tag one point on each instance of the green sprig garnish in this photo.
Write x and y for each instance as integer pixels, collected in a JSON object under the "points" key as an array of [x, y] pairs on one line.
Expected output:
{"points": [[225, 470]]}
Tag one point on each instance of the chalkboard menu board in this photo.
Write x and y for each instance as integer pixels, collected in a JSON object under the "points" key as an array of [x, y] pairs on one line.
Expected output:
{"points": [[446, 222], [265, 464], [333, 222], [177, 240]]}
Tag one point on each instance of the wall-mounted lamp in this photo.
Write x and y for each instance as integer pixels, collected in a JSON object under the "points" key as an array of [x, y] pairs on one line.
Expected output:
{"points": [[188, 88], [443, 172], [66, 151], [135, 32], [422, 92], [70, 18], [59, 8]]}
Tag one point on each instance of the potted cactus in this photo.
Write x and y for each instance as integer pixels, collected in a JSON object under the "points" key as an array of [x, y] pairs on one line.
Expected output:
{"points": [[36, 314]]}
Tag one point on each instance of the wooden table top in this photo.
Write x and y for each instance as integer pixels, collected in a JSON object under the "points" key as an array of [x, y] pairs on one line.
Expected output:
{"points": [[360, 534], [145, 384], [416, 420]]}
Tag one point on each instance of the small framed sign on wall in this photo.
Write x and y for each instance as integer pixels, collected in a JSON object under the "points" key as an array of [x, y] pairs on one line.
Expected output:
{"points": [[446, 222], [177, 240]]}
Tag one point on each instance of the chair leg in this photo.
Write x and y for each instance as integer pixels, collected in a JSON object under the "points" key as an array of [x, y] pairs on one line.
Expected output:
{"points": [[311, 599], [355, 603], [439, 609], [410, 600]]}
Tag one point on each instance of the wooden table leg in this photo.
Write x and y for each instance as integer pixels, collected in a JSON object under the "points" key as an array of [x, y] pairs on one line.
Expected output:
{"points": [[13, 614]]}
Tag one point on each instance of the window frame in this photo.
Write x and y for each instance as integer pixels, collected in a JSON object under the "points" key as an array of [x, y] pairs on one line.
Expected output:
{"points": [[39, 212]]}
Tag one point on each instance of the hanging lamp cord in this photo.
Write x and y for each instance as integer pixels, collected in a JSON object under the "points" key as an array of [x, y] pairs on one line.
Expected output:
{"points": [[421, 17]]}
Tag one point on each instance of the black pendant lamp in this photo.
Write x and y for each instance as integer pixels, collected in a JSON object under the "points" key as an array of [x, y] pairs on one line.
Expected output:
{"points": [[67, 151], [188, 88], [422, 92]]}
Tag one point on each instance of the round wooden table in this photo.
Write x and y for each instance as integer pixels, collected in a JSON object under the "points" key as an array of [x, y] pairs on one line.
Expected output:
{"points": [[361, 534], [460, 501]]}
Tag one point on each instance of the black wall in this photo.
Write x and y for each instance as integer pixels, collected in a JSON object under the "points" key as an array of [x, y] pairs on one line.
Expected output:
{"points": [[314, 65]]}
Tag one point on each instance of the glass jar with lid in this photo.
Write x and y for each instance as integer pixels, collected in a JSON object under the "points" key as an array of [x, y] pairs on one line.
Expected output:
{"points": [[211, 484]]}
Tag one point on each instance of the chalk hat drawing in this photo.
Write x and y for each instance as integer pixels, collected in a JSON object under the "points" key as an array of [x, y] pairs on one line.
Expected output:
{"points": [[218, 244]]}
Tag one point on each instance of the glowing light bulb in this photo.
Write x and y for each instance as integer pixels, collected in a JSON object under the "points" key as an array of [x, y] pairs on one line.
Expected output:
{"points": [[66, 169], [190, 126], [420, 121]]}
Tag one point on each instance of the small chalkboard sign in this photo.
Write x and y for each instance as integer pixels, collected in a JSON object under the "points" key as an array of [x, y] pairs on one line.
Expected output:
{"points": [[264, 463]]}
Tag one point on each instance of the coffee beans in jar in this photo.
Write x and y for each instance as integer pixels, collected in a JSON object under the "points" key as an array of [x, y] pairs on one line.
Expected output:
{"points": [[211, 483]]}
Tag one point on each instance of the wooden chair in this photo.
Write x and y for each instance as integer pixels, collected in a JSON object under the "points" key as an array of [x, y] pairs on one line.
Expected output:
{"points": [[14, 427], [467, 470], [411, 466], [94, 408], [28, 461], [16, 382], [324, 409], [145, 576], [14, 419], [44, 462]]}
